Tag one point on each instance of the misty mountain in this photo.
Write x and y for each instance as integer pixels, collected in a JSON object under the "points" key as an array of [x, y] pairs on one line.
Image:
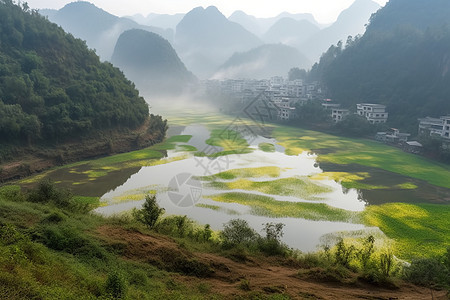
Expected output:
{"points": [[404, 65], [249, 22], [259, 26], [50, 13], [97, 27], [290, 32], [159, 20], [151, 63], [205, 39], [351, 21], [262, 62]]}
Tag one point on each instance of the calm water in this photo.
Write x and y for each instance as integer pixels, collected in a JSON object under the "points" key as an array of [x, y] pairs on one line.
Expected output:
{"points": [[131, 184], [299, 233]]}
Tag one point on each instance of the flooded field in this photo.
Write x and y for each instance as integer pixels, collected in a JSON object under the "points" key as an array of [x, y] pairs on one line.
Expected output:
{"points": [[213, 173]]}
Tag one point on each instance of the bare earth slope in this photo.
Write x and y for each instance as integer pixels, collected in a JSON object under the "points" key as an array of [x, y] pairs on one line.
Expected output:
{"points": [[265, 275]]}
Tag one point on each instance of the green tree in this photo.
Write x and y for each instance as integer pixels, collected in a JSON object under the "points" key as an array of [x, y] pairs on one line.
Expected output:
{"points": [[150, 212]]}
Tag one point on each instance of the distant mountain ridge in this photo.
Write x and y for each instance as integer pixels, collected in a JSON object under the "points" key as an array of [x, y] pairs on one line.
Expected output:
{"points": [[165, 21], [290, 32], [350, 22], [205, 38], [260, 26], [151, 63], [263, 62], [99, 28]]}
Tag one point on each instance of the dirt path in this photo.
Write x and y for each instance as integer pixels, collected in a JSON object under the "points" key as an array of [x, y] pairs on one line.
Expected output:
{"points": [[263, 275]]}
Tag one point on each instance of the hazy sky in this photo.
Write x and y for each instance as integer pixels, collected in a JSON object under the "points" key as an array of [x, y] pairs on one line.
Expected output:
{"points": [[325, 11]]}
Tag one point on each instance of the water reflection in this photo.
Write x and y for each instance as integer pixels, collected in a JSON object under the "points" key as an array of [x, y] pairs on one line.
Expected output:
{"points": [[299, 233]]}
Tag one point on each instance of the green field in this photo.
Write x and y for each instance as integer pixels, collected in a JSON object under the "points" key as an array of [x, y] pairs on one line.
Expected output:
{"points": [[341, 150], [300, 187], [269, 207]]}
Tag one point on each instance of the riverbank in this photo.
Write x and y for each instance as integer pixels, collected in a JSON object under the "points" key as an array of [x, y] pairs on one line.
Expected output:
{"points": [[28, 160]]}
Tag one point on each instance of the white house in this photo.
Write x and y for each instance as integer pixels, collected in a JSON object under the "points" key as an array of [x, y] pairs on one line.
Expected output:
{"points": [[374, 113], [338, 114], [446, 127], [435, 126], [431, 126]]}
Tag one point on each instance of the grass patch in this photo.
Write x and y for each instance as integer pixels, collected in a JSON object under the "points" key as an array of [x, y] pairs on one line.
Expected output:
{"points": [[244, 173], [341, 150], [91, 201], [268, 206], [218, 208], [230, 140], [267, 147], [300, 187], [171, 143], [418, 229], [354, 181]]}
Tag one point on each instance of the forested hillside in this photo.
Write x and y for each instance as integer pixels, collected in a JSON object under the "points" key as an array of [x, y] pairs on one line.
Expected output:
{"points": [[402, 61], [52, 87]]}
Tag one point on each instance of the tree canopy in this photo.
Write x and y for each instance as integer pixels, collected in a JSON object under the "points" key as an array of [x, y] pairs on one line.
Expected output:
{"points": [[402, 61], [53, 87]]}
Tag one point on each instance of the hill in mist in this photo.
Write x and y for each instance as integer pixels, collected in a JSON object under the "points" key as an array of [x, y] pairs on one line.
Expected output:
{"points": [[205, 39], [402, 61], [159, 20], [259, 26], [151, 63], [262, 62], [350, 22], [290, 32], [97, 27]]}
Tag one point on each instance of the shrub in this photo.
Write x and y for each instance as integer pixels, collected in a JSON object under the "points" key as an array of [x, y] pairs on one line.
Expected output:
{"points": [[116, 285], [150, 212], [71, 240], [365, 253], [386, 263], [192, 267], [11, 193], [237, 231], [428, 272], [244, 285], [344, 254], [175, 225], [271, 244], [47, 192]]}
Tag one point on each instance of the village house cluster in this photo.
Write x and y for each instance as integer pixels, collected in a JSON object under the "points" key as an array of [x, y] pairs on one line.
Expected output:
{"points": [[284, 96]]}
